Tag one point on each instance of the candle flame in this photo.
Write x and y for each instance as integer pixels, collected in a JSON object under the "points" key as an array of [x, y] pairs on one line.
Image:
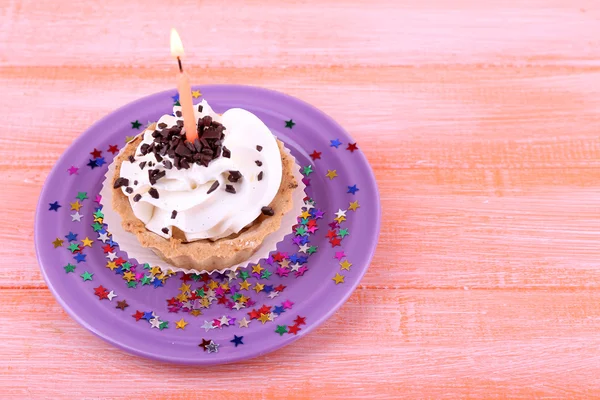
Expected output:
{"points": [[176, 45]]}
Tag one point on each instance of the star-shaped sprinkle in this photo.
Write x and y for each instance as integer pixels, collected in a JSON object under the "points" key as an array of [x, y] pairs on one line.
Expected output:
{"points": [[96, 153], [339, 255], [71, 237], [92, 164], [307, 170], [208, 325], [136, 124], [138, 315], [237, 340], [343, 233], [155, 323], [181, 324], [111, 295], [196, 94], [331, 173], [287, 305], [79, 257], [97, 226], [122, 305], [76, 205], [351, 147], [87, 276], [263, 318], [69, 268], [300, 320], [335, 143], [129, 138], [103, 237], [353, 205], [58, 242], [175, 98], [290, 124], [258, 287], [338, 278], [98, 199], [113, 149], [303, 248], [54, 206], [72, 170], [340, 213], [81, 196], [346, 265], [294, 329], [315, 155], [353, 189], [76, 217], [212, 347], [243, 323], [281, 329], [204, 343], [163, 325], [100, 161], [73, 247]]}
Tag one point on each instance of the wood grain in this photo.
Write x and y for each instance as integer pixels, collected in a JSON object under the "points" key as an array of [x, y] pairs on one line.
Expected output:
{"points": [[481, 121]]}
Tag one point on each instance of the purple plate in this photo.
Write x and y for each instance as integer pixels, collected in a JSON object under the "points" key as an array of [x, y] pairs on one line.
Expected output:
{"points": [[310, 276]]}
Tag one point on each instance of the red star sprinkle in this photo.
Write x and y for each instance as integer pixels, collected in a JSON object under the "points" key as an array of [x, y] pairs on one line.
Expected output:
{"points": [[138, 315], [186, 277], [264, 309], [351, 147], [222, 300], [294, 329], [316, 155], [280, 288], [119, 261], [113, 149], [335, 242], [331, 234], [278, 257], [253, 314], [107, 248], [96, 153], [101, 292], [300, 320]]}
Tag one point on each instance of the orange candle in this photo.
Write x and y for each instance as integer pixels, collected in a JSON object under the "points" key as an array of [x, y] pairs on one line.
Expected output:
{"points": [[185, 90]]}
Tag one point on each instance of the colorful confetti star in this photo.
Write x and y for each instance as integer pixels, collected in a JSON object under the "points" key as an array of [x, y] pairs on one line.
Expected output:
{"points": [[129, 138], [76, 205], [135, 125], [346, 265], [72, 170], [258, 287], [92, 164], [300, 320], [155, 323], [163, 325], [338, 278], [181, 324], [212, 347], [111, 295], [208, 325], [100, 161], [87, 276], [69, 268], [294, 329], [331, 173], [243, 323], [343, 233], [81, 196], [339, 255], [264, 318], [96, 153], [287, 305], [113, 149], [307, 170], [351, 147], [98, 199], [353, 189], [281, 329], [176, 97], [315, 155], [73, 247], [79, 257], [353, 205], [335, 143], [290, 124], [122, 305], [196, 94], [76, 217], [54, 206], [71, 237], [58, 242], [237, 340], [204, 343]]}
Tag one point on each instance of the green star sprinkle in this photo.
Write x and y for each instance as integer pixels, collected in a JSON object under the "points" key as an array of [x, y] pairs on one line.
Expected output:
{"points": [[98, 214], [281, 329], [82, 196], [136, 124], [312, 249], [244, 275], [343, 232], [301, 230], [132, 284], [266, 274], [236, 296], [146, 280], [97, 226], [147, 266], [86, 276], [73, 247], [177, 103], [290, 124], [200, 293], [126, 266], [69, 268], [163, 325], [307, 170], [196, 277]]}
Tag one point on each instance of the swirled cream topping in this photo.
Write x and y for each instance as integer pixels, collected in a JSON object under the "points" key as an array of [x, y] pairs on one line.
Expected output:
{"points": [[208, 189]]}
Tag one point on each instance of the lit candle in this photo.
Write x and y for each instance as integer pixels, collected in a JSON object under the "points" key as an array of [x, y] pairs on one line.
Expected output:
{"points": [[185, 89]]}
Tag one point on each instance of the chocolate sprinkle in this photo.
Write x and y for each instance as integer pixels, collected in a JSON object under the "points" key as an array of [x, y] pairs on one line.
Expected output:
{"points": [[129, 190], [142, 164], [155, 174], [135, 183], [267, 211], [199, 107], [234, 176], [162, 125], [213, 187], [226, 152], [121, 182], [173, 214], [168, 164], [165, 231], [229, 189], [137, 197], [131, 159], [259, 148], [153, 192], [260, 176], [259, 163]]}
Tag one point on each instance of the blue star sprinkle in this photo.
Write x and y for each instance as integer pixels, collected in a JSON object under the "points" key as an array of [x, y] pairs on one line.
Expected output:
{"points": [[80, 257], [335, 143], [54, 206], [148, 315], [175, 98], [353, 189], [157, 283], [100, 161], [237, 340], [92, 164], [278, 310], [268, 289], [71, 237]]}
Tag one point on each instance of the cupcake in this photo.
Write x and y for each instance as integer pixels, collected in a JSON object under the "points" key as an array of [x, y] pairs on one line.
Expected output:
{"points": [[207, 205]]}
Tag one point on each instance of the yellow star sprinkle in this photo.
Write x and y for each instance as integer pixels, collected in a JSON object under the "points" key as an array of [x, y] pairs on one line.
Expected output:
{"points": [[205, 302], [75, 206], [339, 219], [305, 214], [180, 324], [346, 265], [338, 278], [129, 139], [331, 173], [243, 299], [353, 205], [196, 94], [155, 270], [196, 312], [185, 288], [213, 285], [257, 269], [258, 287], [244, 285], [87, 242], [112, 265], [181, 297], [58, 242], [225, 286], [263, 318], [128, 276]]}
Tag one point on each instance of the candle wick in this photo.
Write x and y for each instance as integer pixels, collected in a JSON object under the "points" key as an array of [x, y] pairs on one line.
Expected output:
{"points": [[180, 66]]}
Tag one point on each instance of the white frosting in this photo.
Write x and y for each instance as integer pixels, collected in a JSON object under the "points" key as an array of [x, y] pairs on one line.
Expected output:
{"points": [[218, 214]]}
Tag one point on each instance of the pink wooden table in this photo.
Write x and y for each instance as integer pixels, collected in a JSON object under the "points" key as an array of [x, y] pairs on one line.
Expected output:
{"points": [[481, 120]]}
